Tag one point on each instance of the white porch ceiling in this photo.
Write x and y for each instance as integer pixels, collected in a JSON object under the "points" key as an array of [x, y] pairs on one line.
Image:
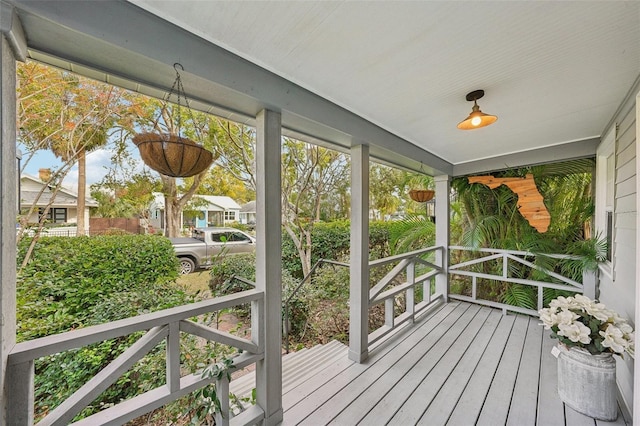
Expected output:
{"points": [[553, 72], [390, 74]]}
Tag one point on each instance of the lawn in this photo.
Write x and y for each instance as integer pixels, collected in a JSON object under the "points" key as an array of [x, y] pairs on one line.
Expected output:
{"points": [[195, 282]]}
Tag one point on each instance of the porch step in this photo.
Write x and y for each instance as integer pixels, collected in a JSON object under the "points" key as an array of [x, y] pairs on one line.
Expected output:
{"points": [[296, 367]]}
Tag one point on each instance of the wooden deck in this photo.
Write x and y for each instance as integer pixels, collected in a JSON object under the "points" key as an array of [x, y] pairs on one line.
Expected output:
{"points": [[462, 365]]}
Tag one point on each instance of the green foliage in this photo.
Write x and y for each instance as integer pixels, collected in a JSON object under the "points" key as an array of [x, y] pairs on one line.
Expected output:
{"points": [[66, 277], [78, 282], [226, 267], [331, 241], [491, 219], [413, 233], [520, 295]]}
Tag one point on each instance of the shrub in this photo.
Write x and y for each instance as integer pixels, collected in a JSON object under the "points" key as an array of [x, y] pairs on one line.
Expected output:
{"points": [[83, 281], [331, 241], [244, 265]]}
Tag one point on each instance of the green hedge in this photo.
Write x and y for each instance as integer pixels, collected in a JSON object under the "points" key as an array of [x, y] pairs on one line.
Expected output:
{"points": [[71, 283], [331, 241]]}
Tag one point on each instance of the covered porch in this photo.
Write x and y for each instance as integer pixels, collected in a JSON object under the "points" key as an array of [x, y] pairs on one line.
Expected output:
{"points": [[461, 364], [135, 44]]}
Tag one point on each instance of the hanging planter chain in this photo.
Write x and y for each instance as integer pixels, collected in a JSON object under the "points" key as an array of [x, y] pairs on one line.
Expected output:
{"points": [[169, 153]]}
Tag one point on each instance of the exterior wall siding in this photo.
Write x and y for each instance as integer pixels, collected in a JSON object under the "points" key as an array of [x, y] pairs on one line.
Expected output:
{"points": [[618, 290]]}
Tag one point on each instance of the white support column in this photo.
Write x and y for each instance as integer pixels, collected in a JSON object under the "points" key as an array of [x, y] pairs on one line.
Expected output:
{"points": [[12, 47], [359, 263], [269, 262], [442, 233]]}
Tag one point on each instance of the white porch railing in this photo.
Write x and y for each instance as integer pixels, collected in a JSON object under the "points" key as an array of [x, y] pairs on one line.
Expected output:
{"points": [[402, 280], [505, 258], [166, 324]]}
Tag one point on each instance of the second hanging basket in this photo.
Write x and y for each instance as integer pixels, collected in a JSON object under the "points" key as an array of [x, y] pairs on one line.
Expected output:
{"points": [[172, 155]]}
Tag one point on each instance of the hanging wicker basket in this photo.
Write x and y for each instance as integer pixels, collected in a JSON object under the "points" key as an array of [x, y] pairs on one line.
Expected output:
{"points": [[172, 155], [421, 195]]}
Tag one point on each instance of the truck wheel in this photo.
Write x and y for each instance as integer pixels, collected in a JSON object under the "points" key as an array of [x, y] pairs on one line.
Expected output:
{"points": [[187, 266]]}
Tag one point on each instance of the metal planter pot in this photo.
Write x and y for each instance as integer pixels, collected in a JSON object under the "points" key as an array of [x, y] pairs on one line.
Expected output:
{"points": [[587, 383]]}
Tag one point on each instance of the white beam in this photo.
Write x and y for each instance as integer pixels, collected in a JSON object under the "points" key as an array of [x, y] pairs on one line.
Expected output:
{"points": [[269, 263], [8, 209], [550, 154], [636, 370], [359, 263], [442, 234]]}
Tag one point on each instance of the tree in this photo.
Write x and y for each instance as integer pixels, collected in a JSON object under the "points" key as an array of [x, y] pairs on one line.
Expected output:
{"points": [[68, 115], [164, 117], [309, 173], [124, 198], [219, 182]]}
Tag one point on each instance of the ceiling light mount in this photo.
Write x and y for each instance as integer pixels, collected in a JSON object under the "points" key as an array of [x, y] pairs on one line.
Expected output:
{"points": [[477, 118]]}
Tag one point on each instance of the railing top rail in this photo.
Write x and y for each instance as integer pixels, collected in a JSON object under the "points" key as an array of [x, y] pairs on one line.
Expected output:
{"points": [[514, 252], [34, 349], [242, 280], [398, 257]]}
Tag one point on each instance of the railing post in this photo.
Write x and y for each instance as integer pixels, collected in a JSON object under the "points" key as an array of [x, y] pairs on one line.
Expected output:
{"points": [[442, 234], [269, 263], [173, 357], [19, 388], [389, 314], [359, 263], [13, 47], [222, 391], [590, 284], [410, 303]]}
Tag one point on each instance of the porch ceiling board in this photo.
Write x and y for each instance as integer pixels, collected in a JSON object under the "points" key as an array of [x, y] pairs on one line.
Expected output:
{"points": [[392, 75], [122, 44]]}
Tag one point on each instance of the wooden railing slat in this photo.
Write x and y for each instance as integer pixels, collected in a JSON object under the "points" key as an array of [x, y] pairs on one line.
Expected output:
{"points": [[65, 412]]}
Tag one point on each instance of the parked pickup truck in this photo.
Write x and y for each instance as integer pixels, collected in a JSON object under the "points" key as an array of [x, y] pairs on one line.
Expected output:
{"points": [[207, 243]]}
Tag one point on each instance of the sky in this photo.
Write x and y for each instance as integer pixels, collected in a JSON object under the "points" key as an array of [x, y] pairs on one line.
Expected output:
{"points": [[98, 163]]}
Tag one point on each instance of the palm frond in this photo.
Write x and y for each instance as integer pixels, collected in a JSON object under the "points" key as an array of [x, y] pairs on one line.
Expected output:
{"points": [[520, 295]]}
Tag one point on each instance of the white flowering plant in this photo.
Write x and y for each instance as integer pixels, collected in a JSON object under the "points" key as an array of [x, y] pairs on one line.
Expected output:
{"points": [[585, 323]]}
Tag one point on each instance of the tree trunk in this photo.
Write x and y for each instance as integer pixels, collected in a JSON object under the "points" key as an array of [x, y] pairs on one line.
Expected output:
{"points": [[303, 255], [173, 204], [82, 190]]}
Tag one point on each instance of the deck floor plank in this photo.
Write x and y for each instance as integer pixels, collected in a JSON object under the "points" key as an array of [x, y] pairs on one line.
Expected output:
{"points": [[386, 377], [444, 403], [387, 356], [524, 403], [459, 365], [550, 407], [414, 407], [470, 402], [393, 397], [496, 405], [573, 418]]}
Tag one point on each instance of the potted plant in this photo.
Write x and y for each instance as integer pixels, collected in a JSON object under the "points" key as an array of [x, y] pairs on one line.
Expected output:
{"points": [[589, 335]]}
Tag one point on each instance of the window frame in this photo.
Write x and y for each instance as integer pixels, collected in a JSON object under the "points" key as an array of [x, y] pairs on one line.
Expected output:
{"points": [[605, 197]]}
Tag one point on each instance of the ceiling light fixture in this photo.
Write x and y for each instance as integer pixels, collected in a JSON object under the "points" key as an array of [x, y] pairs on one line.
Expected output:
{"points": [[477, 118]]}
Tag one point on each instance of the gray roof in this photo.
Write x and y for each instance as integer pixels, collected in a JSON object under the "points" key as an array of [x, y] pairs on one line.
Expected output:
{"points": [[61, 200], [249, 207]]}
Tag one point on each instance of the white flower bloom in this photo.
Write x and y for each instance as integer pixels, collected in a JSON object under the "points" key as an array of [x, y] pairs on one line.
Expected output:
{"points": [[624, 327], [583, 302], [598, 311], [566, 317], [614, 339], [573, 316], [576, 332], [548, 317], [561, 302]]}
